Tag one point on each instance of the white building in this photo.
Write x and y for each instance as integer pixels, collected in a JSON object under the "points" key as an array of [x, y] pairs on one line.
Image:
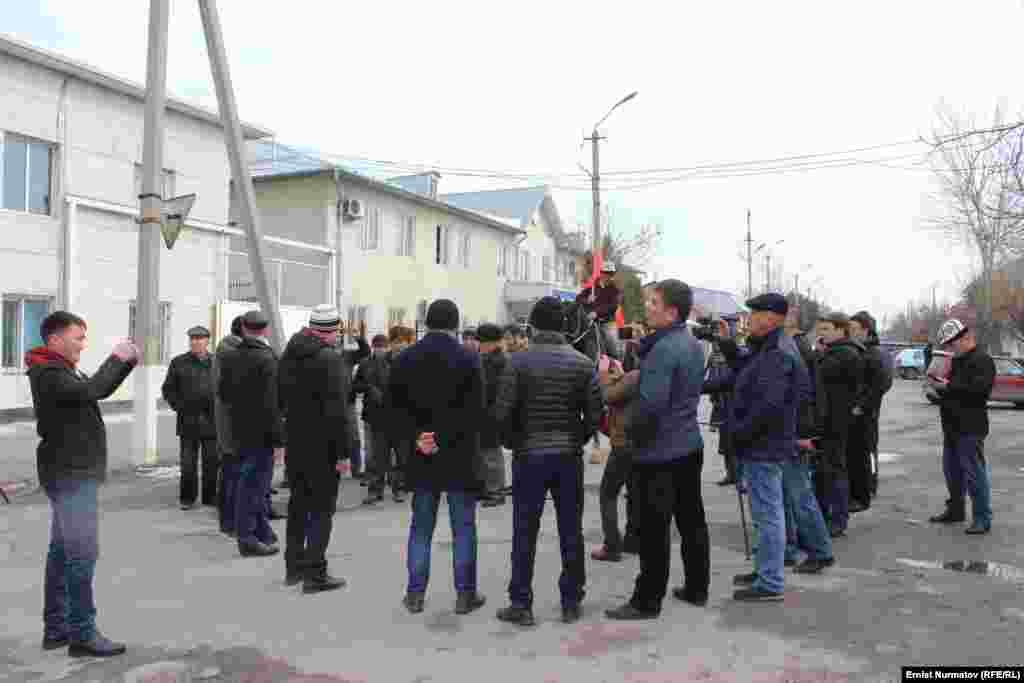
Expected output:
{"points": [[70, 158]]}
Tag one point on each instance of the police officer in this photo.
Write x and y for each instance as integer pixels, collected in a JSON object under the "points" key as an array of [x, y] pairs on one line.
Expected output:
{"points": [[188, 389], [964, 396]]}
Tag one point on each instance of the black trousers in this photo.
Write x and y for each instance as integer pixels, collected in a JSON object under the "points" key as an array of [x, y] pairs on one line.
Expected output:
{"points": [[387, 459], [190, 470], [662, 492], [858, 459], [617, 473], [314, 497]]}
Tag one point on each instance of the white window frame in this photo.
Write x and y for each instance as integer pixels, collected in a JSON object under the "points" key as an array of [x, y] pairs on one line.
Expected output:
{"points": [[28, 140], [546, 271], [443, 244], [407, 237], [369, 235], [465, 244], [164, 314], [524, 257], [19, 332], [396, 316]]}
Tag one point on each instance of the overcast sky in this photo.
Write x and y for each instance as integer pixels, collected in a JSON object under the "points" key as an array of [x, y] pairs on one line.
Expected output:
{"points": [[513, 85]]}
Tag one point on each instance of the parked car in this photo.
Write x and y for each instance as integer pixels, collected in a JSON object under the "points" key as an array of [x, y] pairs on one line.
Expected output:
{"points": [[1008, 387], [909, 363]]}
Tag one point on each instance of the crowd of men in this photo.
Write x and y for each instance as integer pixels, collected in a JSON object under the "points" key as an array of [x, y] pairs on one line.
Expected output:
{"points": [[799, 425]]}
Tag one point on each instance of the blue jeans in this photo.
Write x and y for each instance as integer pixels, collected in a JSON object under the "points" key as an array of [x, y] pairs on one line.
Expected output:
{"points": [[532, 477], [68, 607], [255, 474], [229, 473], [805, 524], [462, 516], [963, 463], [767, 507]]}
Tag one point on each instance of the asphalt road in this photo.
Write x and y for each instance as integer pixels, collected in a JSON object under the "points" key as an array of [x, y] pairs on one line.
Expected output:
{"points": [[903, 592]]}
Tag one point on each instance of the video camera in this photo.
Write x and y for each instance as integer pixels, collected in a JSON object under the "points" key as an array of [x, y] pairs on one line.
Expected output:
{"points": [[707, 329]]}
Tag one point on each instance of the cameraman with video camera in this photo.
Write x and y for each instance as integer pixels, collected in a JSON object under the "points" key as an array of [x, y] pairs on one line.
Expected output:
{"points": [[718, 384]]}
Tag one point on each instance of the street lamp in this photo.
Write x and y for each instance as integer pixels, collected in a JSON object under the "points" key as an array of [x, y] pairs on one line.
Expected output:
{"points": [[768, 263], [595, 176]]}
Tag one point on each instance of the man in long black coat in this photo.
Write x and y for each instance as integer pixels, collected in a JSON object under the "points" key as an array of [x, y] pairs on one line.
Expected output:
{"points": [[188, 389], [436, 394]]}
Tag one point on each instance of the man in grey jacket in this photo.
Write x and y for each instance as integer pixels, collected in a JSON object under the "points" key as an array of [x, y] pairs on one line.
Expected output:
{"points": [[668, 456], [225, 439], [549, 405]]}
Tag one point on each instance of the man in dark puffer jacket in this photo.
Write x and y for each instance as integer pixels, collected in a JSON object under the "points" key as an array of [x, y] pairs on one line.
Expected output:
{"points": [[549, 406]]}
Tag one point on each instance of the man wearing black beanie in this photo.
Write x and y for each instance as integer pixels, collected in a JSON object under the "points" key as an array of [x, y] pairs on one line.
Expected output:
{"points": [[436, 395], [549, 405]]}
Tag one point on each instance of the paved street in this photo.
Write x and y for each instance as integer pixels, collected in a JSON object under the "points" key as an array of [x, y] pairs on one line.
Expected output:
{"points": [[175, 589]]}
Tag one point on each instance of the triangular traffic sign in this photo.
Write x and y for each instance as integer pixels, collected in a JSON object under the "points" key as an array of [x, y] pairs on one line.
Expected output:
{"points": [[175, 212]]}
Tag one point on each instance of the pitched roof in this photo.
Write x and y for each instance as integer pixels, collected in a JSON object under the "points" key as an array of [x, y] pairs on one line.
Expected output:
{"points": [[517, 203], [64, 65]]}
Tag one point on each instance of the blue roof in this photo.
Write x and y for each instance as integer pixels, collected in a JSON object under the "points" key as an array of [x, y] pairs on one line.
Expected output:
{"points": [[518, 204]]}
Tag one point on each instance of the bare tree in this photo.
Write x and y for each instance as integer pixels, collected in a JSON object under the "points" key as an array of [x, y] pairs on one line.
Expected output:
{"points": [[627, 245], [976, 203]]}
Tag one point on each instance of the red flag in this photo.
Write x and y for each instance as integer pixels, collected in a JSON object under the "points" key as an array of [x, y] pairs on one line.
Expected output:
{"points": [[620, 318], [598, 265]]}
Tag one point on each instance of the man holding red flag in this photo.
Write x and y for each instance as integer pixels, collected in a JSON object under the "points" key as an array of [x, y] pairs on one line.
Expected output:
{"points": [[602, 298]]}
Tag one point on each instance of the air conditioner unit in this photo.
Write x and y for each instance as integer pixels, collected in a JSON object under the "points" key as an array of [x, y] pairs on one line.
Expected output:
{"points": [[353, 209]]}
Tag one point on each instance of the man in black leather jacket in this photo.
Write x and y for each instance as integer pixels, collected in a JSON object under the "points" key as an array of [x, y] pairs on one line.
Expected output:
{"points": [[549, 406]]}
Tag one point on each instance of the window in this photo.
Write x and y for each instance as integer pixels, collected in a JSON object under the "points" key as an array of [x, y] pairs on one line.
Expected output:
{"points": [[421, 317], [396, 316], [22, 317], [524, 269], [442, 245], [163, 351], [407, 237], [464, 249], [26, 170], [166, 188], [546, 269], [350, 326], [369, 237]]}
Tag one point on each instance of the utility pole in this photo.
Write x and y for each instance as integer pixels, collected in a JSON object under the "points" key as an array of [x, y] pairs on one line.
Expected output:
{"points": [[595, 182], [147, 301], [750, 261], [767, 272], [239, 170]]}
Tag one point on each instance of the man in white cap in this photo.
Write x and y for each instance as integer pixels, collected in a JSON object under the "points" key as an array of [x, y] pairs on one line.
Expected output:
{"points": [[314, 385], [964, 396]]}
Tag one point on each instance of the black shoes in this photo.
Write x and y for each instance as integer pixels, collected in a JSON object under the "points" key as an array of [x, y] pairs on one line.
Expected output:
{"points": [[293, 577], [99, 646], [857, 506], [950, 516], [814, 566], [695, 599], [276, 514], [728, 481], [757, 595], [322, 582], [55, 643], [373, 498], [977, 529], [744, 579], [257, 549], [630, 613], [837, 533], [570, 615], [413, 602], [398, 497], [185, 507], [469, 602], [493, 501], [517, 615]]}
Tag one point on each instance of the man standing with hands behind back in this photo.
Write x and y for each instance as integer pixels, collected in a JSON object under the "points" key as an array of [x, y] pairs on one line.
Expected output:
{"points": [[436, 397]]}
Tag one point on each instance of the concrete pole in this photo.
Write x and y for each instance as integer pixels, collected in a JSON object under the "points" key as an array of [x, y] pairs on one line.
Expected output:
{"points": [[239, 169], [750, 261], [147, 302], [596, 184]]}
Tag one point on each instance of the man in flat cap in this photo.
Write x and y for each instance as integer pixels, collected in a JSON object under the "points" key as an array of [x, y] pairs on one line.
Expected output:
{"points": [[188, 389], [771, 382], [248, 386]]}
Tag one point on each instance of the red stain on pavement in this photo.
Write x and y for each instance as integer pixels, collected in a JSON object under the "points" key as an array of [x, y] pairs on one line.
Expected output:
{"points": [[597, 639], [274, 670]]}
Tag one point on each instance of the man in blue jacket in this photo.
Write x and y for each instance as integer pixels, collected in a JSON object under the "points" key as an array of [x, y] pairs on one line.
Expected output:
{"points": [[764, 430], [668, 456]]}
